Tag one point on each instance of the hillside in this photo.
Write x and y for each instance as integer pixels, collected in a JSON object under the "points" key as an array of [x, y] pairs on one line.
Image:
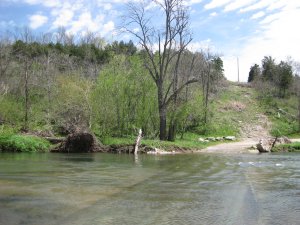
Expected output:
{"points": [[236, 111], [240, 110]]}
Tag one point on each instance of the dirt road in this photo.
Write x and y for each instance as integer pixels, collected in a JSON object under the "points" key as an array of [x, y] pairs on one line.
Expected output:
{"points": [[242, 146]]}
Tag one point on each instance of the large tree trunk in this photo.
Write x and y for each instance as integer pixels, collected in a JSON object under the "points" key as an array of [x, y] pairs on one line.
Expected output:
{"points": [[162, 122], [172, 130], [162, 110]]}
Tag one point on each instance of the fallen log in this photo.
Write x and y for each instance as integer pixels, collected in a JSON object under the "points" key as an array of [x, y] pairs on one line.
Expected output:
{"points": [[55, 140]]}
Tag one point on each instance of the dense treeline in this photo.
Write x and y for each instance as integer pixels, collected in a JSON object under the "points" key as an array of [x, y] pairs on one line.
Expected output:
{"points": [[59, 83], [279, 76]]}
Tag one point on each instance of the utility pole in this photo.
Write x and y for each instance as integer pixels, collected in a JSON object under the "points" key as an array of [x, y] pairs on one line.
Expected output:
{"points": [[238, 68]]}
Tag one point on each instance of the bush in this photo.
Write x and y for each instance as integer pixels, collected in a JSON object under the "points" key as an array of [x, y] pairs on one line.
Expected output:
{"points": [[23, 143], [293, 147], [284, 128]]}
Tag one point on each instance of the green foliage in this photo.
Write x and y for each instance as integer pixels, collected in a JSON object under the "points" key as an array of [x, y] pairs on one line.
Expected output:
{"points": [[73, 93], [278, 78], [268, 68], [282, 113], [292, 147], [226, 128], [190, 141], [284, 77], [254, 73], [283, 128], [11, 110], [124, 99], [23, 143]]}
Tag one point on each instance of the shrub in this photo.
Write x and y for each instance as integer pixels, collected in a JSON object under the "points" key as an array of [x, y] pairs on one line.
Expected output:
{"points": [[23, 143], [293, 147]]}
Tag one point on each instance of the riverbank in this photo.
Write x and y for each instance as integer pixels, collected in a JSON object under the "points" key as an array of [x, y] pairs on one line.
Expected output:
{"points": [[248, 145], [86, 142]]}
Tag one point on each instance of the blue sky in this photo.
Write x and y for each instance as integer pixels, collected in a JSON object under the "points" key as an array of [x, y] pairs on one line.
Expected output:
{"points": [[247, 29]]}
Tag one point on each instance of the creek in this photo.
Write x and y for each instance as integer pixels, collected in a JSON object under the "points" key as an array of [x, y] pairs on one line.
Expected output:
{"points": [[105, 189]]}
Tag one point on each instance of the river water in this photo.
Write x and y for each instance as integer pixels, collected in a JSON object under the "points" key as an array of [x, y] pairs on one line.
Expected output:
{"points": [[102, 189]]}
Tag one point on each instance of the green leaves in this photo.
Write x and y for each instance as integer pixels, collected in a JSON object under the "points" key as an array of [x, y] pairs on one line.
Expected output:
{"points": [[23, 143]]}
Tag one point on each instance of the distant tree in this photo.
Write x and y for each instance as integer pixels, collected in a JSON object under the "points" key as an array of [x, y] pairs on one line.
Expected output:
{"points": [[297, 90], [268, 68], [27, 53], [5, 56], [254, 73], [123, 48], [211, 73], [284, 77]]}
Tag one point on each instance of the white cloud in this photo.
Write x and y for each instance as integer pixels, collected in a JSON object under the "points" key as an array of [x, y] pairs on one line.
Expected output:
{"points": [[276, 5], [237, 4], [47, 3], [37, 20], [216, 3], [269, 19], [205, 45], [258, 15], [108, 27], [64, 16], [278, 37], [191, 2], [85, 22], [259, 5], [213, 14]]}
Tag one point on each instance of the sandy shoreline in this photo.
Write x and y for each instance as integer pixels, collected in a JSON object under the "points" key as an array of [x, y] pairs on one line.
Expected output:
{"points": [[242, 146]]}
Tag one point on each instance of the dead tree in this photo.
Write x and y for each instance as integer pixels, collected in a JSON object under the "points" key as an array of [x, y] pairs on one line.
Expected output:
{"points": [[138, 142], [161, 46]]}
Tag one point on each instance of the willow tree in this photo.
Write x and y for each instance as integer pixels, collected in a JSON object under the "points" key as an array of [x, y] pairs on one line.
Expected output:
{"points": [[162, 43]]}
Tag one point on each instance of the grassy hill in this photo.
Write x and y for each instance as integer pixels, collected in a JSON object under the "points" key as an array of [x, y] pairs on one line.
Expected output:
{"points": [[240, 110], [236, 111]]}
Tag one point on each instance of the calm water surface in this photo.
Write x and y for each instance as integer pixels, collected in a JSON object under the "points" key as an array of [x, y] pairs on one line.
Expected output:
{"points": [[101, 189]]}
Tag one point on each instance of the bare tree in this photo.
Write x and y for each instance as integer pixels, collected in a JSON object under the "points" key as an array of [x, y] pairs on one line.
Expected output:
{"points": [[26, 51], [161, 46], [5, 56]]}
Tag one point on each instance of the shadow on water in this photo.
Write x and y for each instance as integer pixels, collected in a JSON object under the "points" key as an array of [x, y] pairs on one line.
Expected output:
{"points": [[88, 157]]}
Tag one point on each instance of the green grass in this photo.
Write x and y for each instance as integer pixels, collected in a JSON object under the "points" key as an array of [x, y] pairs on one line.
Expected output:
{"points": [[232, 108], [190, 141], [23, 143], [283, 115], [293, 147]]}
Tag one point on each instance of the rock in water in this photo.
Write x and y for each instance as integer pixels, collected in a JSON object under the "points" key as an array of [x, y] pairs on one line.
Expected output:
{"points": [[264, 146]]}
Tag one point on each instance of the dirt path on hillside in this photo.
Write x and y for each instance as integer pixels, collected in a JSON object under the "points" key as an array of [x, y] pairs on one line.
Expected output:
{"points": [[250, 134], [257, 129]]}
